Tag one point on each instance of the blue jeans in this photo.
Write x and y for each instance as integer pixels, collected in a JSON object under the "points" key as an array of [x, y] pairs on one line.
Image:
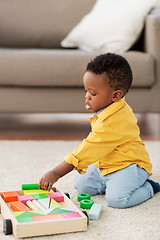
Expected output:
{"points": [[124, 188]]}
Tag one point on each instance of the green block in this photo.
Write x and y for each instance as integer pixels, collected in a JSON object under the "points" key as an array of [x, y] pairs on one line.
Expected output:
{"points": [[30, 186], [59, 210], [40, 196], [24, 219], [31, 213], [16, 214], [25, 216]]}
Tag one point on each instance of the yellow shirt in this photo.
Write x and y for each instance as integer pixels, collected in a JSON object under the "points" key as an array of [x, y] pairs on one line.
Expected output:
{"points": [[113, 143]]}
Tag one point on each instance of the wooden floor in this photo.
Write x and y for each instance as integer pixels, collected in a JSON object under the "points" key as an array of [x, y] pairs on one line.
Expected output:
{"points": [[63, 126]]}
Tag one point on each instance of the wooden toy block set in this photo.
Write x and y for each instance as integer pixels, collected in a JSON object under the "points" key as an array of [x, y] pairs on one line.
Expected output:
{"points": [[35, 212]]}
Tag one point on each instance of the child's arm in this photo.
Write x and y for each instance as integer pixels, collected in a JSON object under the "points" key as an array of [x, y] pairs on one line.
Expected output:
{"points": [[53, 175]]}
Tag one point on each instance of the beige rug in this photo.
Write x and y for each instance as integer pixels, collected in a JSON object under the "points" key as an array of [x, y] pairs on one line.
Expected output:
{"points": [[26, 161]]}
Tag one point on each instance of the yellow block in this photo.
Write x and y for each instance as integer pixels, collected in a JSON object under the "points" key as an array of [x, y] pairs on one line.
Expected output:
{"points": [[34, 191]]}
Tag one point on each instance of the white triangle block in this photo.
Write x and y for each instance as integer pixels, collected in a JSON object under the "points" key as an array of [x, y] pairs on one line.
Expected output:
{"points": [[45, 202], [47, 211]]}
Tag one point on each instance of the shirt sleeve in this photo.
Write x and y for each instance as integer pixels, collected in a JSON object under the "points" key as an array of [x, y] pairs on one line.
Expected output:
{"points": [[99, 143]]}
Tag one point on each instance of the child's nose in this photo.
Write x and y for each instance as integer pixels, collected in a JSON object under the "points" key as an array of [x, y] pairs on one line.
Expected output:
{"points": [[87, 96]]}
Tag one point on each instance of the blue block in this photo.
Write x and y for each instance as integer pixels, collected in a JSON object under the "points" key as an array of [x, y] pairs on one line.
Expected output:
{"points": [[95, 211]]}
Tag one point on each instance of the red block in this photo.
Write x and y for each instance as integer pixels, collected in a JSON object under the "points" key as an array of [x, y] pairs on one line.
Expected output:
{"points": [[57, 196]]}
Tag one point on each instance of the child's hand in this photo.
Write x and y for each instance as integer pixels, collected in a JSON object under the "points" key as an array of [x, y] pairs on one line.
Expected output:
{"points": [[52, 176], [48, 180]]}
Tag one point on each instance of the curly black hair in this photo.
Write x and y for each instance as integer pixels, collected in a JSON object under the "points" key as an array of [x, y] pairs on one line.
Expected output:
{"points": [[116, 68]]}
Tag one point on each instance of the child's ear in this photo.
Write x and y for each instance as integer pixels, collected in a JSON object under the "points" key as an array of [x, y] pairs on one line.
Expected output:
{"points": [[117, 95]]}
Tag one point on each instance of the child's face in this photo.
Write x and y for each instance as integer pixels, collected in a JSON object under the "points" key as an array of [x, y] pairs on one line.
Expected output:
{"points": [[98, 92]]}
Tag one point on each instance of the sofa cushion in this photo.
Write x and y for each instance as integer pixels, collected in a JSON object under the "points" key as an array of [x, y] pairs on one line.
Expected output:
{"points": [[39, 23], [62, 68], [111, 26]]}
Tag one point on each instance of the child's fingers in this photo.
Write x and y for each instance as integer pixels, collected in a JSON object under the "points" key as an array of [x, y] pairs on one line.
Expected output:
{"points": [[50, 186], [43, 184], [40, 183]]}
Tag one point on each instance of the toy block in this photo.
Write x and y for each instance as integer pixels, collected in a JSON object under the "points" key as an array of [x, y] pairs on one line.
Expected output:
{"points": [[16, 214], [19, 206], [10, 196], [39, 196], [48, 217], [48, 211], [28, 213], [32, 206], [30, 186], [57, 196], [39, 205], [25, 198], [54, 204], [58, 210], [70, 209], [32, 213], [83, 196], [34, 191], [86, 203], [95, 211], [71, 215], [24, 219], [45, 202]]}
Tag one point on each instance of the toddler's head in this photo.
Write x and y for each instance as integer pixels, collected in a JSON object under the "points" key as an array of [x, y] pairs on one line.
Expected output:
{"points": [[107, 79]]}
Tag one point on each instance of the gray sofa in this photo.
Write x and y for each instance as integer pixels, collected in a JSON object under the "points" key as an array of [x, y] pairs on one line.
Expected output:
{"points": [[38, 76]]}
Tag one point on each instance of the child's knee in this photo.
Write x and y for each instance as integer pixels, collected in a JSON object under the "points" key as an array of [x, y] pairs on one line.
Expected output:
{"points": [[116, 201], [84, 187], [79, 185], [85, 183]]}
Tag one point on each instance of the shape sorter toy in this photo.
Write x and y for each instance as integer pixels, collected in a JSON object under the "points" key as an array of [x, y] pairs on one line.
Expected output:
{"points": [[37, 212]]}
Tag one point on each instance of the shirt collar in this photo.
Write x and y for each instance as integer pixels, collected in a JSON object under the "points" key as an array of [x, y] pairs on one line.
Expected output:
{"points": [[106, 111], [100, 111]]}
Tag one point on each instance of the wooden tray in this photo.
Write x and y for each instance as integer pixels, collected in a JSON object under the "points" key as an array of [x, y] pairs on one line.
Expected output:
{"points": [[29, 229]]}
